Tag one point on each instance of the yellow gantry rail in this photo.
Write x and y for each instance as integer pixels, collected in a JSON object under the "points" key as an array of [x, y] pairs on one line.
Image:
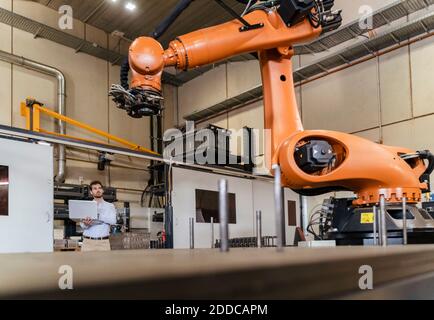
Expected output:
{"points": [[32, 110]]}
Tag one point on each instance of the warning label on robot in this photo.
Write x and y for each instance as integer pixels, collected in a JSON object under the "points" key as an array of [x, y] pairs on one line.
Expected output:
{"points": [[367, 217]]}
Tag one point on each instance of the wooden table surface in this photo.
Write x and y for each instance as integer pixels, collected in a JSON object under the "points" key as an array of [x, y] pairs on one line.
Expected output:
{"points": [[296, 273]]}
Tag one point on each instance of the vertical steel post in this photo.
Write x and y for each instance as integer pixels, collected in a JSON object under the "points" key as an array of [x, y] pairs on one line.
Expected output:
{"points": [[383, 221], [223, 214], [279, 208], [374, 227], [191, 233], [259, 229], [212, 232], [404, 221]]}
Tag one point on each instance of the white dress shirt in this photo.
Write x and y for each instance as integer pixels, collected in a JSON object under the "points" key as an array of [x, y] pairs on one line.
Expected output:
{"points": [[106, 218]]}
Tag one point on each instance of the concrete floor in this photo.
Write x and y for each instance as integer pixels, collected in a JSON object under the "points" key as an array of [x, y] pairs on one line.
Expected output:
{"points": [[207, 274]]}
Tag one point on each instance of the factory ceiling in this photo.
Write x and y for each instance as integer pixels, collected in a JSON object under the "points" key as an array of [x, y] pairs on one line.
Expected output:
{"points": [[111, 15]]}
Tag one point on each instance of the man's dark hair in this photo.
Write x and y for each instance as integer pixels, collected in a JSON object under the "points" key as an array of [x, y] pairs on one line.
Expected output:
{"points": [[94, 183]]}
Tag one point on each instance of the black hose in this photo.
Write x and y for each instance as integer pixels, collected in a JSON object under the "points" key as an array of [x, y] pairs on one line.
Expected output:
{"points": [[125, 69], [170, 19], [427, 155]]}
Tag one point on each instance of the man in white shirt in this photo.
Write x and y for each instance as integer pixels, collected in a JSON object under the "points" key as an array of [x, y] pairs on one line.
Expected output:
{"points": [[96, 232]]}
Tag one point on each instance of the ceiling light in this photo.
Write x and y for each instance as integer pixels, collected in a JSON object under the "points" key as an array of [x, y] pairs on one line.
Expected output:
{"points": [[130, 6]]}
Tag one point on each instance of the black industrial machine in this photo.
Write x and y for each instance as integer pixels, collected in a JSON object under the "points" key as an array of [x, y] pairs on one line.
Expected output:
{"points": [[212, 145], [338, 220]]}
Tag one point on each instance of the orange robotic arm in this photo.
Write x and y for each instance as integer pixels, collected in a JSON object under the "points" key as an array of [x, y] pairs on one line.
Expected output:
{"points": [[313, 162]]}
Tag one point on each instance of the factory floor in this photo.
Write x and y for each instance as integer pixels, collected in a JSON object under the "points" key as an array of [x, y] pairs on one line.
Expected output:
{"points": [[295, 273]]}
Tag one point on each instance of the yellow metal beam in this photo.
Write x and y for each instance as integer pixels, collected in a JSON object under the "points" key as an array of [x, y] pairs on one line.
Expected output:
{"points": [[35, 110]]}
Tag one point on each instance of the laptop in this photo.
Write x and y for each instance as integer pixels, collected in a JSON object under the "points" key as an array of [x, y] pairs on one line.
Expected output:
{"points": [[79, 210]]}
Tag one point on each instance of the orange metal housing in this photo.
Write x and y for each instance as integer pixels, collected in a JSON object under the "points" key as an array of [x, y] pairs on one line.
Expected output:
{"points": [[367, 168]]}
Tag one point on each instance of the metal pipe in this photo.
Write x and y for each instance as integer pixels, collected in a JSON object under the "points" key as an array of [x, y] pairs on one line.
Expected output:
{"points": [[212, 232], [223, 214], [404, 222], [383, 221], [374, 226], [191, 220], [259, 229], [279, 209], [304, 213], [61, 97]]}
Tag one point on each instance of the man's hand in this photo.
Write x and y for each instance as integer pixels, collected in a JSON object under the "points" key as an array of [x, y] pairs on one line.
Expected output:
{"points": [[88, 221]]}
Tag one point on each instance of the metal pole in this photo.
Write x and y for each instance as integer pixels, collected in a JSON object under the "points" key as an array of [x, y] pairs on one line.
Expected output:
{"points": [[304, 213], [404, 221], [278, 203], [379, 225], [383, 221], [259, 229], [223, 214], [191, 233], [212, 232], [375, 238]]}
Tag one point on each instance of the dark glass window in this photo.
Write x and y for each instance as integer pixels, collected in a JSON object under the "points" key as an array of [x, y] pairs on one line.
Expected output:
{"points": [[207, 206], [4, 191]]}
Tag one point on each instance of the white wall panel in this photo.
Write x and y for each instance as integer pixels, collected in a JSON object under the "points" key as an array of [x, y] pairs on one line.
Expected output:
{"points": [[86, 170], [86, 78], [185, 182], [128, 178], [46, 15], [422, 61], [5, 93], [243, 76], [424, 133], [29, 225], [203, 92], [27, 83], [345, 101], [395, 86], [350, 9], [373, 135], [400, 134]]}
